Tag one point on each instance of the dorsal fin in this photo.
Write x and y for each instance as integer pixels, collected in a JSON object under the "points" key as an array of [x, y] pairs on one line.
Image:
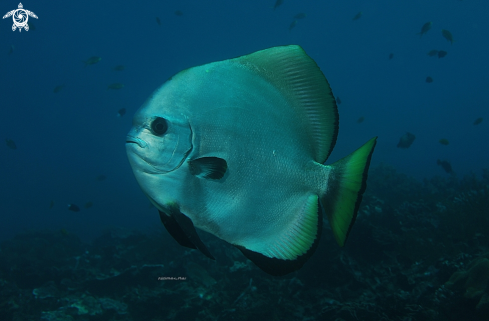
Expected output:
{"points": [[299, 78]]}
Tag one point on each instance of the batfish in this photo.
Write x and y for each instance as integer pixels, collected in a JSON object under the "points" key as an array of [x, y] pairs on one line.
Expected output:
{"points": [[236, 148]]}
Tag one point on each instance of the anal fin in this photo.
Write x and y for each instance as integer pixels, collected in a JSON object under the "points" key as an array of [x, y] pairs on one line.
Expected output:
{"points": [[295, 246]]}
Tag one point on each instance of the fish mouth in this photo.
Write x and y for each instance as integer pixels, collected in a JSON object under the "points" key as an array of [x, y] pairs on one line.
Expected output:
{"points": [[135, 140]]}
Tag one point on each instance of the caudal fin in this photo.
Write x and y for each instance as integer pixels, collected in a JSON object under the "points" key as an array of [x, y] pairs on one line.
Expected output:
{"points": [[346, 185]]}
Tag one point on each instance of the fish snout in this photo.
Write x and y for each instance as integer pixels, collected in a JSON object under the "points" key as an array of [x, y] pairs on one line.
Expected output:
{"points": [[136, 140]]}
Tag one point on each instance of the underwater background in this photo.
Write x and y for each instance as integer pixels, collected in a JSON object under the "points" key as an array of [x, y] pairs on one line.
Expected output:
{"points": [[419, 249]]}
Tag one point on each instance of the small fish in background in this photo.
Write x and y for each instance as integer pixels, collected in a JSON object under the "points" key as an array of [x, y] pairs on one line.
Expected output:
{"points": [[178, 13], [445, 165], [101, 178], [429, 80], [57, 89], [444, 141], [11, 49], [88, 204], [11, 144], [442, 53], [92, 61], [391, 55], [51, 205], [478, 121], [277, 4], [119, 68], [406, 140], [158, 21], [358, 16], [360, 120], [338, 100], [433, 53], [301, 15], [121, 112], [425, 28], [73, 207], [292, 25], [115, 86], [31, 26], [447, 35], [64, 232]]}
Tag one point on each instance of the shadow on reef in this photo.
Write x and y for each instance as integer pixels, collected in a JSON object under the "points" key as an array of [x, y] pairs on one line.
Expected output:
{"points": [[418, 251]]}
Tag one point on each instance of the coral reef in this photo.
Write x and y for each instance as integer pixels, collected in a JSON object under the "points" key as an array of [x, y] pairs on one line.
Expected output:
{"points": [[416, 252], [474, 283]]}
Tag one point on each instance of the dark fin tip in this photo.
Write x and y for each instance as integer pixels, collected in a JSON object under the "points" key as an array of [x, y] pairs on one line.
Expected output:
{"points": [[183, 231], [362, 189], [175, 230]]}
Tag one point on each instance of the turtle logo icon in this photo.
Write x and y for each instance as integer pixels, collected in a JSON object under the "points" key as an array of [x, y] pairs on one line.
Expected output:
{"points": [[20, 17]]}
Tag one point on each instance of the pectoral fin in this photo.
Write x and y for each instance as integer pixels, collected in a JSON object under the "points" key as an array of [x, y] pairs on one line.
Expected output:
{"points": [[208, 167]]}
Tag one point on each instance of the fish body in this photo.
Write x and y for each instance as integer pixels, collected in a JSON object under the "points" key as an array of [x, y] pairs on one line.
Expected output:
{"points": [[433, 53], [11, 49], [236, 148], [338, 100], [101, 177], [115, 86], [442, 53], [11, 144], [278, 3], [360, 119], [358, 16], [429, 80], [121, 112], [51, 205], [179, 13], [478, 121], [88, 204], [292, 25], [444, 141], [73, 207], [158, 21], [391, 55], [445, 165], [92, 61], [119, 68], [57, 89], [425, 28], [447, 35], [301, 15], [406, 140]]}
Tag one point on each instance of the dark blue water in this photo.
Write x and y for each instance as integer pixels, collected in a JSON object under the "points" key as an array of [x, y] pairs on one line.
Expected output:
{"points": [[417, 225], [66, 139]]}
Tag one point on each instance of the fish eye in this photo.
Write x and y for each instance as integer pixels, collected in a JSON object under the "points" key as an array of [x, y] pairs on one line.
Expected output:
{"points": [[159, 126]]}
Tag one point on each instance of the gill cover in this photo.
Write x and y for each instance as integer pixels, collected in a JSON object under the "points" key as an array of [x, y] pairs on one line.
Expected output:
{"points": [[158, 143]]}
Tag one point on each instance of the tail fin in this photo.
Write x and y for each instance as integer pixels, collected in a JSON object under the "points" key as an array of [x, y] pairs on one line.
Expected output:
{"points": [[346, 185]]}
